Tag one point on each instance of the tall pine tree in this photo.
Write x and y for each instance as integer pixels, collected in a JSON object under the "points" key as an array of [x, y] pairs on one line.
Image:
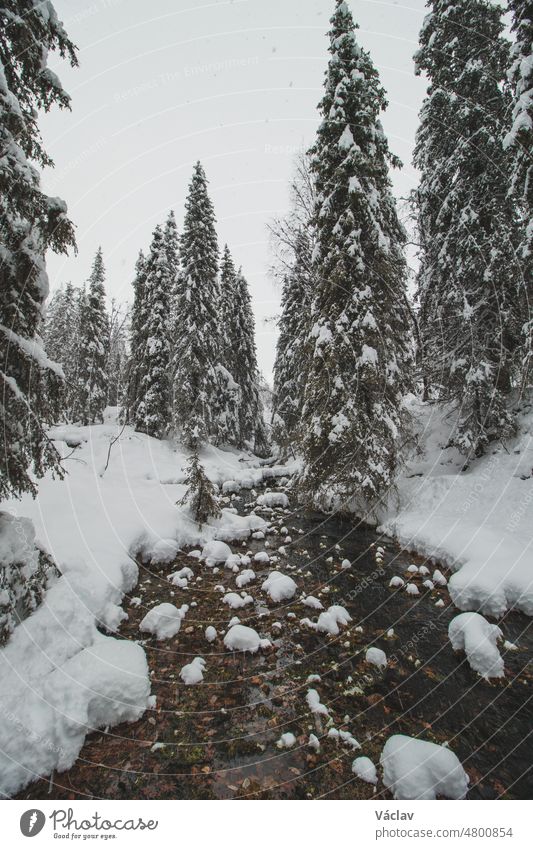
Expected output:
{"points": [[198, 336], [359, 345], [469, 282], [93, 348], [290, 367], [137, 329], [61, 341], [519, 142], [153, 409], [30, 223]]}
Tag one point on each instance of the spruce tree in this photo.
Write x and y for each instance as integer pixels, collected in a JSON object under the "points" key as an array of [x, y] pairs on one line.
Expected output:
{"points": [[93, 347], [153, 409], [519, 142], [359, 345], [290, 367], [61, 341], [137, 328], [200, 496], [469, 282], [30, 223], [198, 336], [117, 355]]}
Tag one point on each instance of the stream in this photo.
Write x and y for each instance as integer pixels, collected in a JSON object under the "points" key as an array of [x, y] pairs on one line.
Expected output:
{"points": [[218, 739]]}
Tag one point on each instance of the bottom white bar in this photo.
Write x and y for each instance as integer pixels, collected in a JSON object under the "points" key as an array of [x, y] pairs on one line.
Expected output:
{"points": [[264, 825]]}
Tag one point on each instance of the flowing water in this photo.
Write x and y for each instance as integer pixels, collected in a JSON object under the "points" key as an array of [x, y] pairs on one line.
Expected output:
{"points": [[219, 739]]}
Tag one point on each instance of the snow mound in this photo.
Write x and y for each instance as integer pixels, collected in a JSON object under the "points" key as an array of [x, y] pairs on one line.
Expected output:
{"points": [[471, 633], [280, 587], [244, 578], [364, 768], [262, 557], [215, 552], [235, 601], [286, 741], [417, 769], [273, 499], [193, 672], [376, 657], [311, 601], [210, 634], [242, 638], [396, 582], [164, 620], [164, 551], [314, 703]]}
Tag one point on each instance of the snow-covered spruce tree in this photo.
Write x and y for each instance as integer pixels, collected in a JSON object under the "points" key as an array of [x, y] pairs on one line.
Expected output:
{"points": [[93, 347], [153, 409], [290, 367], [519, 142], [60, 340], [240, 357], [136, 341], [201, 495], [173, 262], [359, 345], [201, 383], [117, 355], [469, 283], [30, 223]]}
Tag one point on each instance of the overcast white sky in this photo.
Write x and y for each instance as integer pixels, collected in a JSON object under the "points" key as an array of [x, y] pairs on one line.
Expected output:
{"points": [[234, 84]]}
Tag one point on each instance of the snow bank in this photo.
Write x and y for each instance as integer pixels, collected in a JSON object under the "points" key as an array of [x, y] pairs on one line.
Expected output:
{"points": [[417, 769], [44, 726], [471, 633], [478, 522], [93, 524]]}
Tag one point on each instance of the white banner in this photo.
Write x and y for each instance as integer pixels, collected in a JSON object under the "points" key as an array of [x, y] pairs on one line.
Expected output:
{"points": [[256, 825]]}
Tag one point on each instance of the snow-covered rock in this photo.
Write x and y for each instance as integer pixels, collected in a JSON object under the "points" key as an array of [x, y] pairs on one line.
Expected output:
{"points": [[417, 769], [471, 633], [396, 582], [314, 703], [280, 587], [245, 577], [311, 601], [164, 620], [193, 672], [376, 657], [241, 638], [286, 741], [262, 557], [236, 601], [216, 551], [210, 634], [273, 499], [364, 769], [412, 589]]}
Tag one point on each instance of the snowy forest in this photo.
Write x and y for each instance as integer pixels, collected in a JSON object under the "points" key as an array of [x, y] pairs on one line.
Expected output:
{"points": [[220, 583]]}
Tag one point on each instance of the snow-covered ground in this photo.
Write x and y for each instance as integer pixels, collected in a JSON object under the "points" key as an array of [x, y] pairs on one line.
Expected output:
{"points": [[59, 675], [478, 521]]}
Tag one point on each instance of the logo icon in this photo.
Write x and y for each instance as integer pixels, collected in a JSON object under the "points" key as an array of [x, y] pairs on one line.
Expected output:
{"points": [[32, 822]]}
